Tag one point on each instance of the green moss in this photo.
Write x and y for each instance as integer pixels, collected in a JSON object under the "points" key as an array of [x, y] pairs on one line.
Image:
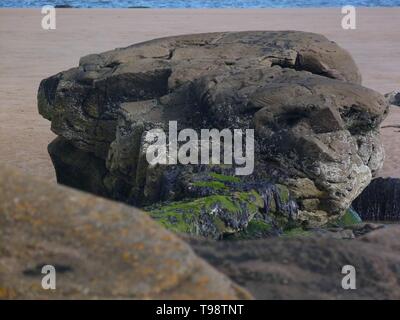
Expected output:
{"points": [[256, 229], [177, 216], [283, 193], [216, 185], [223, 209], [350, 217], [224, 201], [195, 216], [177, 222], [252, 197], [224, 178], [258, 225]]}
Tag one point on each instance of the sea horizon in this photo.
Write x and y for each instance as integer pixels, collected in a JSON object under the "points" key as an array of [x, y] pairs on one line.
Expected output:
{"points": [[198, 3]]}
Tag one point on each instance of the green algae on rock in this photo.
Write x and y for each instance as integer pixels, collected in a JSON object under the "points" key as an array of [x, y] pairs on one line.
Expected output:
{"points": [[227, 208], [350, 218], [256, 229], [212, 216]]}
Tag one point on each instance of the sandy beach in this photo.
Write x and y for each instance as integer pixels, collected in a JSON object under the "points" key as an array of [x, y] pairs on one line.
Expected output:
{"points": [[29, 54]]}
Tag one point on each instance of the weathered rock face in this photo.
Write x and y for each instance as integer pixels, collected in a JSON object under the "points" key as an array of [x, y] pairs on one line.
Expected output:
{"points": [[316, 128], [100, 249], [393, 98], [380, 201], [309, 267]]}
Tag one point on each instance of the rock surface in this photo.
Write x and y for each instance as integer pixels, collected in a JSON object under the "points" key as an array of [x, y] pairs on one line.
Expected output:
{"points": [[393, 98], [310, 267], [380, 201], [100, 249], [316, 127]]}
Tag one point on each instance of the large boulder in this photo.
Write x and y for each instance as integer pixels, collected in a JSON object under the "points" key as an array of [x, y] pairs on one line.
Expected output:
{"points": [[316, 127], [100, 249]]}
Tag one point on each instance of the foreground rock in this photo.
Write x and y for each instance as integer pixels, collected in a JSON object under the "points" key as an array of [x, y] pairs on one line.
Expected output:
{"points": [[317, 141], [380, 201], [100, 249], [309, 267]]}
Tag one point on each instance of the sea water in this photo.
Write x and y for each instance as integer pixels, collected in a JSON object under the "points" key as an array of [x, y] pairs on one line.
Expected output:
{"points": [[199, 3]]}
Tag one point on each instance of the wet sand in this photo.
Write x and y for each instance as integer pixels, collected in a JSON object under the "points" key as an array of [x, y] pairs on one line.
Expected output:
{"points": [[29, 53]]}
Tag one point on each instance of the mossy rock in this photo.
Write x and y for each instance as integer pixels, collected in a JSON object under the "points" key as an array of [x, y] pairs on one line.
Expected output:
{"points": [[350, 218], [224, 178], [212, 183], [218, 204], [215, 185], [283, 193], [256, 229], [212, 216]]}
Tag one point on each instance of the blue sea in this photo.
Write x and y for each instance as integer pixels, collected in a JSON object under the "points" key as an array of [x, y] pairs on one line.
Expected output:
{"points": [[199, 3]]}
